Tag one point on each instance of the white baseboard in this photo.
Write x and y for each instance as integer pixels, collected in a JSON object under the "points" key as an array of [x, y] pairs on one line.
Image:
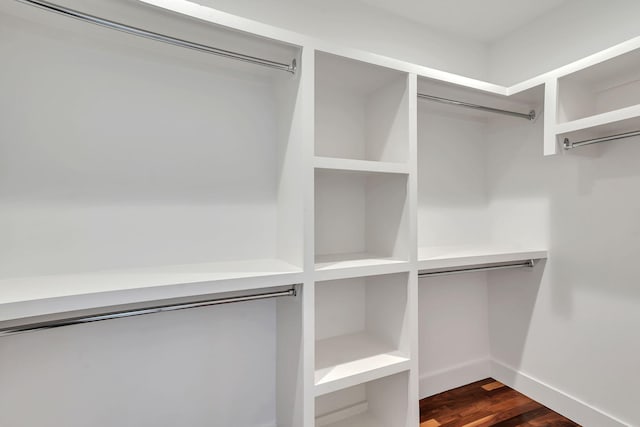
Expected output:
{"points": [[551, 397], [436, 382]]}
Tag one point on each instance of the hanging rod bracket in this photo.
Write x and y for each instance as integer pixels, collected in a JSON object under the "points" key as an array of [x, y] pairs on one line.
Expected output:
{"points": [[85, 17]]}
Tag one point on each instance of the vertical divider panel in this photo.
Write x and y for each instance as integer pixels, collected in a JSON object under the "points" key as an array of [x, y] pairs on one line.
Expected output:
{"points": [[413, 409], [295, 320], [308, 295], [550, 117]]}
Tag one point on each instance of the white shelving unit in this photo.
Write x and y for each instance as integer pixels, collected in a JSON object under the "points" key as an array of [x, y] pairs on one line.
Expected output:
{"points": [[183, 175]]}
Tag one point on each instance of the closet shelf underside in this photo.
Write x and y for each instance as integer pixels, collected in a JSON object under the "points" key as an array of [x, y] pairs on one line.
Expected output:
{"points": [[43, 295]]}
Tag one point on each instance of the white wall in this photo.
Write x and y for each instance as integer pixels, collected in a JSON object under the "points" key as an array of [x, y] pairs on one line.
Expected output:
{"points": [[193, 368], [574, 325], [360, 26], [574, 30]]}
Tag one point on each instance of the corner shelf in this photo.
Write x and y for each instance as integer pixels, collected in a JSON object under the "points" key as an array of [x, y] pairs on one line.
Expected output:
{"points": [[45, 295], [609, 123], [433, 258], [349, 360]]}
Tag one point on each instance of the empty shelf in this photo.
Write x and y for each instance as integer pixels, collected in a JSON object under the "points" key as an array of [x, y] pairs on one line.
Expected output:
{"points": [[34, 296], [432, 258], [360, 165], [349, 360], [339, 266]]}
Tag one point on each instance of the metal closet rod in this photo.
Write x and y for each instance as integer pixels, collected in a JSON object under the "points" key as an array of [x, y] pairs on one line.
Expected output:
{"points": [[569, 145], [529, 263], [530, 116], [52, 324], [291, 68]]}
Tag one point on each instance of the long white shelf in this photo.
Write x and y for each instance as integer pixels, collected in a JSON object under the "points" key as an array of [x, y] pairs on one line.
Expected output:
{"points": [[433, 258], [353, 359], [617, 121], [341, 164], [342, 266], [43, 295]]}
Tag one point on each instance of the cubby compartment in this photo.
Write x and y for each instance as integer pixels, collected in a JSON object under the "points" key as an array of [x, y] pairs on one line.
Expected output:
{"points": [[457, 213], [362, 330], [361, 219], [381, 403], [605, 88], [361, 111], [143, 154]]}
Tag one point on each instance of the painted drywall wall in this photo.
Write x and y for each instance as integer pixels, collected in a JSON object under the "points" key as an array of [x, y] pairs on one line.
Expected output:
{"points": [[363, 27], [574, 325], [574, 30]]}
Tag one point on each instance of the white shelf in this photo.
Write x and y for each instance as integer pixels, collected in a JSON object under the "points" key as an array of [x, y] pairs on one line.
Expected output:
{"points": [[341, 266], [34, 296], [432, 258], [609, 123], [353, 359], [334, 163], [364, 419]]}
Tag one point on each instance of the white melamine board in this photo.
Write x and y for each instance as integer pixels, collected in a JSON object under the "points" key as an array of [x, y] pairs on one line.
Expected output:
{"points": [[360, 165], [361, 111], [348, 360], [180, 368], [41, 295], [431, 258]]}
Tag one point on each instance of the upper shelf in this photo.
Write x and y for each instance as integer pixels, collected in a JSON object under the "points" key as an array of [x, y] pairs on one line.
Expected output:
{"points": [[44, 295], [435, 258]]}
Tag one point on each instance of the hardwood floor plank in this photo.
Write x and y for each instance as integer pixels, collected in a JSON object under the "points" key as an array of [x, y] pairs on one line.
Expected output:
{"points": [[487, 403]]}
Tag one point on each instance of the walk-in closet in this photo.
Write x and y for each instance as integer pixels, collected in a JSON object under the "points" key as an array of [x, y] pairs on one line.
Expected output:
{"points": [[319, 214]]}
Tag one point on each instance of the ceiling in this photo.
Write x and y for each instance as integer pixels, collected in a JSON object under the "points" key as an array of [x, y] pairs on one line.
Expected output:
{"points": [[482, 20]]}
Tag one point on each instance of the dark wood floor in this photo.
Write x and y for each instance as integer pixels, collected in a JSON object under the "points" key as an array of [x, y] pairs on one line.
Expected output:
{"points": [[486, 403]]}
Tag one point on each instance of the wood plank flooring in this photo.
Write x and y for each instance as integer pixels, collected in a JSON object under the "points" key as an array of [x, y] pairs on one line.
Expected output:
{"points": [[487, 403]]}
